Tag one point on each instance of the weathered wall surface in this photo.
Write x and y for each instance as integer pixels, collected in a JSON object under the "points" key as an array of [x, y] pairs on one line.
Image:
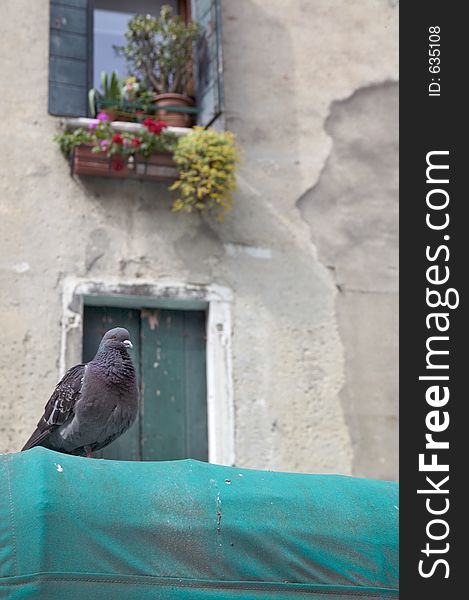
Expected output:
{"points": [[313, 391], [352, 212]]}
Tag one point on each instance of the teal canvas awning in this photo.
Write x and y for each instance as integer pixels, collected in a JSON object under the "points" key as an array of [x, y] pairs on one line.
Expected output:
{"points": [[73, 528]]}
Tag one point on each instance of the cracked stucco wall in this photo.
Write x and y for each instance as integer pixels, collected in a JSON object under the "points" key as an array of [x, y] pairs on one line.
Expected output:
{"points": [[286, 71]]}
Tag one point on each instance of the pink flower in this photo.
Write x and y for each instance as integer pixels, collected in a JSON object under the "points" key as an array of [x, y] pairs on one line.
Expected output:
{"points": [[104, 144], [102, 116], [93, 124]]}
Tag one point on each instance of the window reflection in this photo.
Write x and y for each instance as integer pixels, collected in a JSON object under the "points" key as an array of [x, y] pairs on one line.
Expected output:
{"points": [[110, 18]]}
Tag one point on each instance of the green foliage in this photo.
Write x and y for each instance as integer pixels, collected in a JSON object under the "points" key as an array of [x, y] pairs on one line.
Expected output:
{"points": [[67, 140], [111, 86], [206, 161], [111, 92], [159, 51]]}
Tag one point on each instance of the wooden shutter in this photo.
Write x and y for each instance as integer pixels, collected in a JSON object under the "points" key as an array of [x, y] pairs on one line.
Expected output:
{"points": [[174, 394], [68, 58], [209, 63]]}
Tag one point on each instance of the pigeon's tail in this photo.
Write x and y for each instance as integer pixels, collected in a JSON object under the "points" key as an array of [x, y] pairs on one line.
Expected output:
{"points": [[35, 440], [59, 407]]}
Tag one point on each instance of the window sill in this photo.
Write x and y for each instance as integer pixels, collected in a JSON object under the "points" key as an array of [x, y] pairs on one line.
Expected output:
{"points": [[71, 123]]}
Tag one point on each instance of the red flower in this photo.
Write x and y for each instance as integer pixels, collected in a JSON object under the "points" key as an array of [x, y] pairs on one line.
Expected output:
{"points": [[158, 127], [154, 126], [117, 139], [135, 142], [117, 162]]}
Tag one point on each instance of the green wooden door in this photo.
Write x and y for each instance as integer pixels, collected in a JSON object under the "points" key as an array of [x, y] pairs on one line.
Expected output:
{"points": [[169, 356]]}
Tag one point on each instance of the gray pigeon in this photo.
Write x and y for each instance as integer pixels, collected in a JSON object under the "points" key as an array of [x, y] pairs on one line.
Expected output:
{"points": [[94, 403]]}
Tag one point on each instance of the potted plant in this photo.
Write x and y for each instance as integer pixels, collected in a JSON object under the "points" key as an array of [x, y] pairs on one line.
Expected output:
{"points": [[101, 150], [206, 161], [137, 101], [109, 99], [159, 54]]}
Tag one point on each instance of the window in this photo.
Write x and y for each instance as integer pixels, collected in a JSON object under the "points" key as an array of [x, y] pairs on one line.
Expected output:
{"points": [[109, 19], [82, 33]]}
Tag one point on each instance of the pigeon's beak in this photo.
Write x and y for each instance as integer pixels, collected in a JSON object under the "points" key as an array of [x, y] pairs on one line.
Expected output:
{"points": [[128, 344]]}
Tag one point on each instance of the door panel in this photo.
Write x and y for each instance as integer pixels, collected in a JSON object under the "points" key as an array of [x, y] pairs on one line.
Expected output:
{"points": [[196, 385], [174, 394], [164, 428]]}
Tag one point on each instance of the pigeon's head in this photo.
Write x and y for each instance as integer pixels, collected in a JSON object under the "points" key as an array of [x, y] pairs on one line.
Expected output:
{"points": [[118, 338]]}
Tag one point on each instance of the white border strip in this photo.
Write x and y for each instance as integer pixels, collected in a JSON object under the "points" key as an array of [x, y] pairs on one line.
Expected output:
{"points": [[220, 404]]}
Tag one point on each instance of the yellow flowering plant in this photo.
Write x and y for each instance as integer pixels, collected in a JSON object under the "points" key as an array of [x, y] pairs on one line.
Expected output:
{"points": [[206, 160]]}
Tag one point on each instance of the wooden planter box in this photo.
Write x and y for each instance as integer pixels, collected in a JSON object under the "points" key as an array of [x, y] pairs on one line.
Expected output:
{"points": [[158, 167]]}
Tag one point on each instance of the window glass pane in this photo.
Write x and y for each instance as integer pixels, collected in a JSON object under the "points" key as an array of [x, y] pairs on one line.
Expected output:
{"points": [[110, 18], [109, 28]]}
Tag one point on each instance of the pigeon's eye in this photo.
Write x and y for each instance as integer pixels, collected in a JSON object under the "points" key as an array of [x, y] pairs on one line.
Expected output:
{"points": [[114, 337]]}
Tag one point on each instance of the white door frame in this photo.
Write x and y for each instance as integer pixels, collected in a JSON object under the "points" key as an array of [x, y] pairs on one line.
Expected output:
{"points": [[216, 300]]}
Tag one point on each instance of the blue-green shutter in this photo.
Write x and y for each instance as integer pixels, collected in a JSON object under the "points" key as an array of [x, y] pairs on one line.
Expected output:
{"points": [[174, 394], [68, 57], [209, 62]]}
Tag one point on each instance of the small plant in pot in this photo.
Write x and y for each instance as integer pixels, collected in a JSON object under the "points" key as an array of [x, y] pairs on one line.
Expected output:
{"points": [[159, 54], [107, 100], [122, 100]]}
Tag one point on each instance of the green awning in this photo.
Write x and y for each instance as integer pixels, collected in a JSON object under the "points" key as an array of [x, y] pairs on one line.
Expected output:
{"points": [[73, 528]]}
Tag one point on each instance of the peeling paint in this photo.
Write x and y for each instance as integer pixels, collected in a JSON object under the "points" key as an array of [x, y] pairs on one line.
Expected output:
{"points": [[352, 215], [152, 316]]}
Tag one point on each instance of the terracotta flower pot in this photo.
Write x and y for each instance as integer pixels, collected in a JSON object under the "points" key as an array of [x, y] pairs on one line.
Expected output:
{"points": [[87, 162], [116, 114], [174, 119], [110, 112]]}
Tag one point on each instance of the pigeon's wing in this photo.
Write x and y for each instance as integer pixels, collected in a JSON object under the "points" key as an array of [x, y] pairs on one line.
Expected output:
{"points": [[60, 407]]}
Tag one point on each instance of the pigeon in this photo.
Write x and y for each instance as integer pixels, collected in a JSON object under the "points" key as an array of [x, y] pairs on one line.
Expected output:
{"points": [[94, 403]]}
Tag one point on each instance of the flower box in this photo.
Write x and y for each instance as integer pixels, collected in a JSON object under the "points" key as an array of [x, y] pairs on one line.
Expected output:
{"points": [[158, 167]]}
